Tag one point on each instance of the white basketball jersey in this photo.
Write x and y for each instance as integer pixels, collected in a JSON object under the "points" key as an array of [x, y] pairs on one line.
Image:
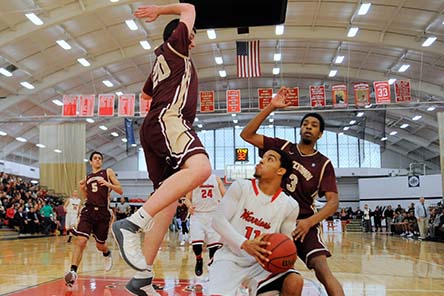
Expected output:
{"points": [[207, 196], [256, 214], [73, 206]]}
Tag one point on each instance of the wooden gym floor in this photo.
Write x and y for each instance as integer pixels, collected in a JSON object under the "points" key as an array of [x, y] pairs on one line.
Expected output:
{"points": [[366, 264]]}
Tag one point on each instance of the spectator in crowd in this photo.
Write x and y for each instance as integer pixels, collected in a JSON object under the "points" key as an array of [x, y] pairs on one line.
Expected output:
{"points": [[182, 214], [399, 210], [377, 218], [422, 217], [344, 219], [47, 214], [409, 222], [366, 219], [60, 214], [123, 209], [20, 220], [388, 214], [358, 213], [33, 221]]}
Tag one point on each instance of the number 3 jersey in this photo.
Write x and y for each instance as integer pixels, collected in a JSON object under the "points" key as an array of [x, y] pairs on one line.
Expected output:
{"points": [[207, 196], [252, 213]]}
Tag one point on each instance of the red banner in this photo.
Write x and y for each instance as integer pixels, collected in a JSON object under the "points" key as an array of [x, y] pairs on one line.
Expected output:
{"points": [[86, 106], [264, 96], [126, 104], [106, 104], [70, 105], [317, 95], [206, 101], [362, 94], [382, 92], [144, 106], [403, 91], [339, 94], [233, 101], [293, 97]]}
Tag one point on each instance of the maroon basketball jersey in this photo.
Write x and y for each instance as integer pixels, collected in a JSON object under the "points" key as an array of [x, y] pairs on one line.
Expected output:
{"points": [[97, 195], [312, 175], [173, 80]]}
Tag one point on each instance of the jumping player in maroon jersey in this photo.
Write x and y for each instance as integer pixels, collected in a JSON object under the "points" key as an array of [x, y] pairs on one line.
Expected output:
{"points": [[176, 159], [313, 175], [95, 216]]}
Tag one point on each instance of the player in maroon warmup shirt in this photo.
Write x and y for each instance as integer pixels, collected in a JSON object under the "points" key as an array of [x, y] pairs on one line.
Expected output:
{"points": [[313, 175]]}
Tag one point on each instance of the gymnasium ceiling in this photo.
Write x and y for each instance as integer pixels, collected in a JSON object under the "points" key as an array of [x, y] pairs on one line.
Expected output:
{"points": [[390, 35]]}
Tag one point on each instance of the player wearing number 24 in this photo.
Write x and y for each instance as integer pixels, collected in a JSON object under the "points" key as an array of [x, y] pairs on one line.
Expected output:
{"points": [[250, 209]]}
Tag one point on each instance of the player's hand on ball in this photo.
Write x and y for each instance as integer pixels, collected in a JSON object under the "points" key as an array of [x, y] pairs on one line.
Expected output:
{"points": [[149, 12], [302, 228], [256, 248]]}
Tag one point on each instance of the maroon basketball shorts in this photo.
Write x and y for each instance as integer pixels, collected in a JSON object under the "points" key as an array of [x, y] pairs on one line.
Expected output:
{"points": [[312, 246], [167, 144], [95, 221]]}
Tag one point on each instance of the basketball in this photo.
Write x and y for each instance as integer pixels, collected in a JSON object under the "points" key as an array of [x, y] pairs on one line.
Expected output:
{"points": [[283, 254]]}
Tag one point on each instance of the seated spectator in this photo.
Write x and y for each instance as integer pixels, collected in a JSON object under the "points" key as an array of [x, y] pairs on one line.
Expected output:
{"points": [[388, 215], [20, 220], [358, 213]]}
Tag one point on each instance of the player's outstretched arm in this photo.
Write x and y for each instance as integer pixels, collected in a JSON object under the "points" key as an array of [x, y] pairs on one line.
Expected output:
{"points": [[249, 133], [114, 184], [221, 186], [151, 12]]}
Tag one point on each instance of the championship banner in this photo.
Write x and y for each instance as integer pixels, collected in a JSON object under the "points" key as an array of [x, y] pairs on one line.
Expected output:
{"points": [[382, 92], [126, 105], [106, 104], [206, 100], [403, 91], [293, 97], [362, 94], [233, 101], [317, 95], [264, 96], [339, 94], [70, 105], [87, 105], [144, 105], [241, 154], [129, 131]]}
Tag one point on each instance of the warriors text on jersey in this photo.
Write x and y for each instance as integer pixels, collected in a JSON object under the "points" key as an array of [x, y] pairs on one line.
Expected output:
{"points": [[256, 214]]}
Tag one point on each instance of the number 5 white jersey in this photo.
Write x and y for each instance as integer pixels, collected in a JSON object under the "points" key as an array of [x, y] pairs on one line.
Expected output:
{"points": [[207, 196]]}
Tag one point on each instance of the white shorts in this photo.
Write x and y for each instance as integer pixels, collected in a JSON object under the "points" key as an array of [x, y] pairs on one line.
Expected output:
{"points": [[71, 220], [201, 231], [227, 278]]}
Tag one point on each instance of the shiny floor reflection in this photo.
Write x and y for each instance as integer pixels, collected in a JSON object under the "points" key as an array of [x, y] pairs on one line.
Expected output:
{"points": [[366, 264]]}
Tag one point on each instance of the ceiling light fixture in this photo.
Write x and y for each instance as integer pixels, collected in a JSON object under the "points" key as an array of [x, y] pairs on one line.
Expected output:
{"points": [[63, 44], [27, 85], [5, 72], [393, 133], [279, 30], [218, 60], [392, 80], [83, 62], [102, 127], [360, 114], [145, 44], [277, 57], [364, 8], [2, 133], [34, 19], [332, 73], [90, 120], [352, 122], [57, 151], [20, 139], [417, 117], [211, 33], [339, 59], [431, 108], [384, 139], [40, 145], [404, 125], [114, 134], [131, 25], [404, 68], [352, 32], [57, 102], [276, 70], [222, 73], [429, 41], [108, 83]]}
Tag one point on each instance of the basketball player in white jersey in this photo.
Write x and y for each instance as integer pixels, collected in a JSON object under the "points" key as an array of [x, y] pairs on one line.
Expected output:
{"points": [[204, 200], [250, 209], [71, 206]]}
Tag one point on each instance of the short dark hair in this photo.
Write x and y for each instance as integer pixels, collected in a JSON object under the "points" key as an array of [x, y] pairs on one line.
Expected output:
{"points": [[318, 117], [95, 152], [170, 27], [286, 162]]}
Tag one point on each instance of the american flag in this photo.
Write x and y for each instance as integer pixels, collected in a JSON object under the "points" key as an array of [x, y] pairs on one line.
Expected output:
{"points": [[248, 59]]}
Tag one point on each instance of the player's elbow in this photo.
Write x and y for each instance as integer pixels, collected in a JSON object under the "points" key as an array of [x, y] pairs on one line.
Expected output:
{"points": [[189, 8], [246, 135]]}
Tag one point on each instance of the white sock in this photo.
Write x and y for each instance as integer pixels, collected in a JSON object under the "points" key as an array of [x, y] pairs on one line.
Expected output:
{"points": [[141, 218], [145, 274]]}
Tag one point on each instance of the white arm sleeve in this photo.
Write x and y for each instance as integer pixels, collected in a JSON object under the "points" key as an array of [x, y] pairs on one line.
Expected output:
{"points": [[225, 211], [289, 224]]}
